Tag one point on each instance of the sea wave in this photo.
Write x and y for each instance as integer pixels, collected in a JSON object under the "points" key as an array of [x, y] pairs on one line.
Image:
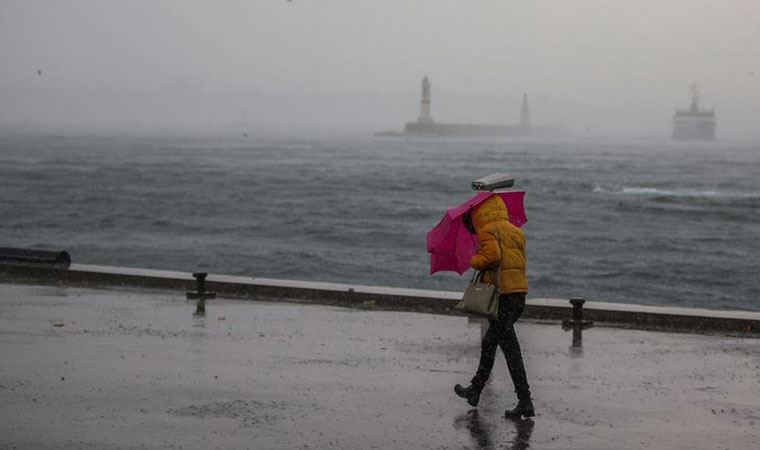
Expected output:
{"points": [[697, 193], [676, 192]]}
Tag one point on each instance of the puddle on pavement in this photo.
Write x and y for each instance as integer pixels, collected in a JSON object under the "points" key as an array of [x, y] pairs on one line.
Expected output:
{"points": [[487, 434]]}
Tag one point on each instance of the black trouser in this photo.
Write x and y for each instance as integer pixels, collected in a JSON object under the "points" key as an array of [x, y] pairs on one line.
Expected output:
{"points": [[501, 333]]}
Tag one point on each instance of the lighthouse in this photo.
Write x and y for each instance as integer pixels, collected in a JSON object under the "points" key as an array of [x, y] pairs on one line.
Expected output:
{"points": [[525, 112], [425, 117], [426, 126]]}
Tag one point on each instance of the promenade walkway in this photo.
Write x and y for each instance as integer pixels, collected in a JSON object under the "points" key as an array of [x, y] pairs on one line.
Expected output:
{"points": [[87, 368]]}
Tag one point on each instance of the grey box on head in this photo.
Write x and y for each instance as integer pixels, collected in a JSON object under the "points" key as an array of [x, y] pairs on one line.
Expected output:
{"points": [[493, 181]]}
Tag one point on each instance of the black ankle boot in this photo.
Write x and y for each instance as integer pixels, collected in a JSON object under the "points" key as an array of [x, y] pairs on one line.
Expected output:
{"points": [[471, 393], [523, 408]]}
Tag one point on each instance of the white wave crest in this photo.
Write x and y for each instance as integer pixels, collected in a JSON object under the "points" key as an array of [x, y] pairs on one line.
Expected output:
{"points": [[694, 193]]}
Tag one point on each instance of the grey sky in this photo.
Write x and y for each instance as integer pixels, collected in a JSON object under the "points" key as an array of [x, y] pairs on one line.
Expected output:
{"points": [[609, 66]]}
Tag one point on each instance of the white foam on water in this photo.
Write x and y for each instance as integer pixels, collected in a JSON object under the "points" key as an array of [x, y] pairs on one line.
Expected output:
{"points": [[693, 193]]}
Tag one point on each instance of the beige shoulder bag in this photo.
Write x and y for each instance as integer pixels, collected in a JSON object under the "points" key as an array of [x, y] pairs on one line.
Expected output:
{"points": [[482, 299]]}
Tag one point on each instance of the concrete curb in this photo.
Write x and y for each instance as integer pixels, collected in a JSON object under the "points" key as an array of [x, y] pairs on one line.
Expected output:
{"points": [[382, 298]]}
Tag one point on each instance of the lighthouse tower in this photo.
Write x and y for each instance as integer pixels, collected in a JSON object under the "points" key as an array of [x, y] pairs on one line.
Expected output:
{"points": [[425, 117], [525, 112]]}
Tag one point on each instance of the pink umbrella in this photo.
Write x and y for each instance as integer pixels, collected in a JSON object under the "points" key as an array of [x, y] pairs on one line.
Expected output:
{"points": [[450, 244]]}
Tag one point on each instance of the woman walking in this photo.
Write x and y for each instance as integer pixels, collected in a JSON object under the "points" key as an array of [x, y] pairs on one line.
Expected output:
{"points": [[501, 246]]}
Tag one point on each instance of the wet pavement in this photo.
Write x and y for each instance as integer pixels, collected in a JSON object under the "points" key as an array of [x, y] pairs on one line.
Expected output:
{"points": [[83, 368]]}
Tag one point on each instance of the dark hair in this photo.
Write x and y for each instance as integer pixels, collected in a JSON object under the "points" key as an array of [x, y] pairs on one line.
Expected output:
{"points": [[467, 220]]}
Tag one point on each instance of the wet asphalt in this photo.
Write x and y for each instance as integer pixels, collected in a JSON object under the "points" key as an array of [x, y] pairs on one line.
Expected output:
{"points": [[105, 369]]}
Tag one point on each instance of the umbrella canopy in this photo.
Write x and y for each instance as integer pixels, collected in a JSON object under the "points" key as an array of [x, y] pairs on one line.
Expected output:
{"points": [[450, 244]]}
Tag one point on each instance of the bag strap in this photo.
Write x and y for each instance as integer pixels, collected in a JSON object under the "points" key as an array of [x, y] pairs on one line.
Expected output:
{"points": [[501, 257], [478, 275]]}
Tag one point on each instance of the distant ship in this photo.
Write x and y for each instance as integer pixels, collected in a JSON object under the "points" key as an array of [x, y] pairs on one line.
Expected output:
{"points": [[694, 124], [425, 126]]}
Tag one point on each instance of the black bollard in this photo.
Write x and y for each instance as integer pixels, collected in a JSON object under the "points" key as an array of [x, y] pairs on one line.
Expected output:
{"points": [[201, 295], [577, 324]]}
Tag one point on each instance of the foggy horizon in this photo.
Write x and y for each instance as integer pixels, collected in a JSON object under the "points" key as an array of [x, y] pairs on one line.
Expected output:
{"points": [[593, 67]]}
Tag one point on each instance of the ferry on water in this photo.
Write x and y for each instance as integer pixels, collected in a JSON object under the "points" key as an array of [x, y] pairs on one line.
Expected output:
{"points": [[694, 124]]}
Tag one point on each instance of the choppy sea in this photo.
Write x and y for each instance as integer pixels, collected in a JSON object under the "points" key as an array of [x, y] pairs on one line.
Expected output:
{"points": [[649, 222]]}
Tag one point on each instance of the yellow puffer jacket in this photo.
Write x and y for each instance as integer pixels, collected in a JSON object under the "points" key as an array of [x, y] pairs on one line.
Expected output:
{"points": [[490, 219]]}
